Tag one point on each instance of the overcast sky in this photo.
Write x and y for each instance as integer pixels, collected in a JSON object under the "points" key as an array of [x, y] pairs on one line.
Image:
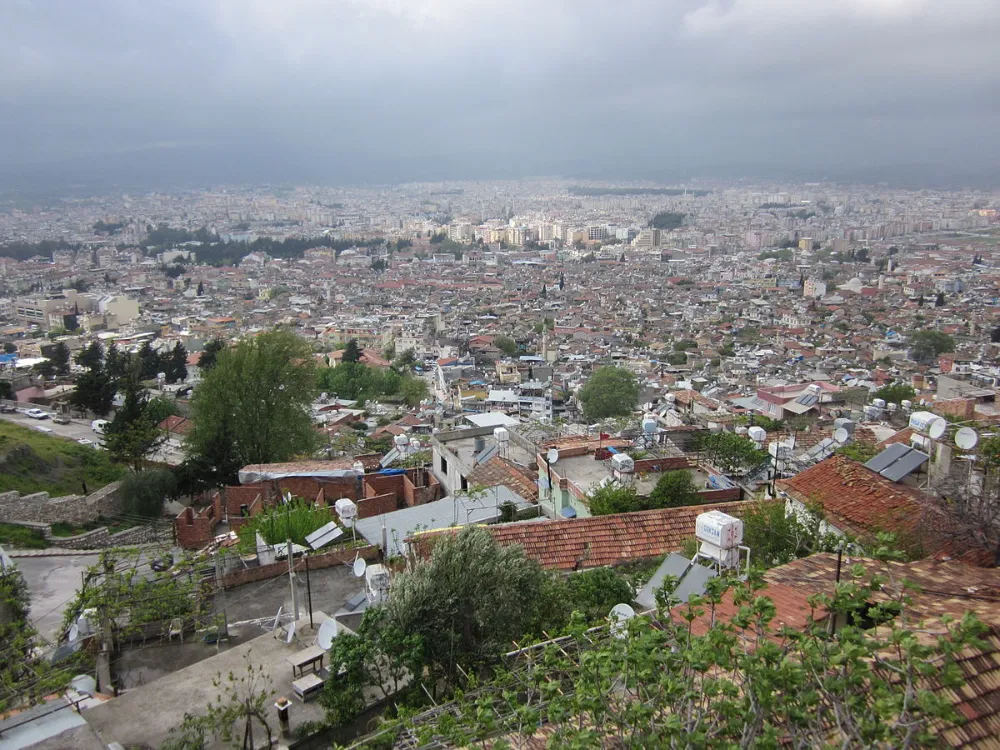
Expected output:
{"points": [[529, 86]]}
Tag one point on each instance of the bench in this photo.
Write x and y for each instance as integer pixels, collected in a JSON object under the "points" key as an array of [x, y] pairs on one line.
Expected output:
{"points": [[306, 687]]}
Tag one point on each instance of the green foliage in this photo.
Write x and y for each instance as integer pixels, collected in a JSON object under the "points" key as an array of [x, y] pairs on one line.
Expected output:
{"points": [[677, 359], [352, 352], [925, 346], [294, 520], [685, 344], [91, 356], [894, 393], [175, 364], [96, 387], [468, 602], [159, 408], [405, 362], [60, 358], [506, 344], [21, 537], [31, 461], [739, 680], [134, 433], [673, 489], [379, 655], [609, 392], [253, 407], [667, 220], [776, 537], [859, 452], [613, 498], [594, 592], [144, 493], [209, 355], [729, 452]]}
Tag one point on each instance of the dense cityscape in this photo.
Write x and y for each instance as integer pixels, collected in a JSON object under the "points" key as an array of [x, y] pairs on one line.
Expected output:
{"points": [[382, 375]]}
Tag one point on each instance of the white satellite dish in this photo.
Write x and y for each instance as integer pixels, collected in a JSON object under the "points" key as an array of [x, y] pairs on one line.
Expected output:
{"points": [[966, 438], [937, 428], [841, 435], [74, 632], [359, 567], [291, 634], [620, 615], [552, 456], [327, 632]]}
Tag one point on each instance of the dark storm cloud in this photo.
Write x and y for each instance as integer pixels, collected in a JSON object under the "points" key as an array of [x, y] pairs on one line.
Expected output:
{"points": [[545, 83]]}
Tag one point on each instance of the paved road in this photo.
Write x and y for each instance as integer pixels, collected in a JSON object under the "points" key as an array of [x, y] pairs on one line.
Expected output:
{"points": [[79, 429], [53, 582]]}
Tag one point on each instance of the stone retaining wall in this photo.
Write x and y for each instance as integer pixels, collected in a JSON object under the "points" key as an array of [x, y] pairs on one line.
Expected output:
{"points": [[75, 509]]}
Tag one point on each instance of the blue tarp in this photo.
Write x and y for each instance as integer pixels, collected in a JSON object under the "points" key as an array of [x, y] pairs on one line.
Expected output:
{"points": [[392, 472]]}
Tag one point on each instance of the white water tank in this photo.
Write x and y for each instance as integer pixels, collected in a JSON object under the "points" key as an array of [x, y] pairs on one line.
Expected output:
{"points": [[924, 421], [346, 508], [670, 398], [401, 441], [814, 389], [501, 435], [358, 466], [878, 403], [757, 434], [906, 404], [649, 425], [892, 407], [622, 463], [718, 528]]}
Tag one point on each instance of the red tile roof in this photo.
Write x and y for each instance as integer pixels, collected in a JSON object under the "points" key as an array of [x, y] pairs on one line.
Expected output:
{"points": [[606, 540], [859, 501]]}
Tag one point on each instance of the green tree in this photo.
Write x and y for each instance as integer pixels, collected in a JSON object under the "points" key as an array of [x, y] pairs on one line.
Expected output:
{"points": [[729, 452], [115, 362], [667, 220], [151, 361], [939, 300], [405, 362], [60, 358], [413, 390], [209, 355], [594, 592], [613, 498], [9, 348], [95, 391], [134, 433], [144, 493], [609, 392], [895, 393], [673, 489], [253, 406], [468, 602], [506, 344], [926, 346], [175, 364], [91, 356], [352, 352]]}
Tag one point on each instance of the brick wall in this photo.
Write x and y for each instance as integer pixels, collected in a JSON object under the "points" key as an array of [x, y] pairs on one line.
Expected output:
{"points": [[963, 408], [377, 505], [721, 496], [316, 562], [77, 509], [669, 463], [196, 528]]}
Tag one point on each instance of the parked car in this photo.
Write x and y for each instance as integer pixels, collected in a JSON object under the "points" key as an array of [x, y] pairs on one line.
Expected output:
{"points": [[37, 414], [60, 419], [99, 425]]}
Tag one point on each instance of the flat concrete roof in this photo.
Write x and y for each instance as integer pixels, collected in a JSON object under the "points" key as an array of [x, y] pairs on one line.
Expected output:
{"points": [[146, 714]]}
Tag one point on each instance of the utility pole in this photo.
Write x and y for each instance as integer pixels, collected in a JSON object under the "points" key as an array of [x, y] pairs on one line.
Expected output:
{"points": [[291, 580], [221, 592]]}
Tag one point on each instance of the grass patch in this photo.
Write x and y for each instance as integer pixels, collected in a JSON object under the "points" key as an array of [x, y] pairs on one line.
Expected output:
{"points": [[21, 537], [32, 461]]}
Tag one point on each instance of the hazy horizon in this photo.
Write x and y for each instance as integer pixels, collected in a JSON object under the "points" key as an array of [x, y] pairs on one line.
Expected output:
{"points": [[356, 91]]}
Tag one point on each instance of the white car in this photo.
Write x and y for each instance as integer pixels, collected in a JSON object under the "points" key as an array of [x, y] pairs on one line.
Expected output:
{"points": [[37, 414], [43, 428], [84, 441]]}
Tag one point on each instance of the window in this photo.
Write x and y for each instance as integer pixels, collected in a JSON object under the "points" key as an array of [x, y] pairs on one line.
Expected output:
{"points": [[465, 483], [444, 466]]}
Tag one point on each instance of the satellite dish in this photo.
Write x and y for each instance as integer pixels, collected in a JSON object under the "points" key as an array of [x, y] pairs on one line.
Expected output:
{"points": [[620, 615], [966, 438], [359, 567], [74, 632], [327, 632], [552, 456], [841, 435], [291, 634], [937, 428]]}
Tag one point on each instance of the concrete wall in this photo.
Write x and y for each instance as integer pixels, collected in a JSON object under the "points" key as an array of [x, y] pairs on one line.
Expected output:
{"points": [[76, 509]]}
